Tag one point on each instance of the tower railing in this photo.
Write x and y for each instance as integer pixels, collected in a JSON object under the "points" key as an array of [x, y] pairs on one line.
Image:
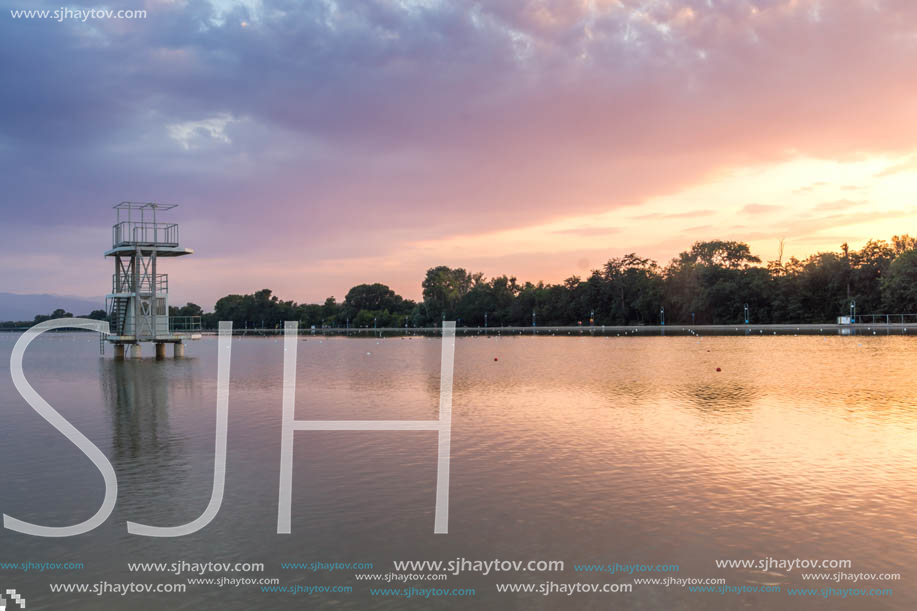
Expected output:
{"points": [[123, 283], [130, 233]]}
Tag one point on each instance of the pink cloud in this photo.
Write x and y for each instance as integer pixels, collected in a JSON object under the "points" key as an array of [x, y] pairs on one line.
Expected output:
{"points": [[348, 140]]}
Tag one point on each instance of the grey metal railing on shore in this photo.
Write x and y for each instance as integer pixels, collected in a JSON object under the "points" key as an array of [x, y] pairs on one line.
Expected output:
{"points": [[887, 319], [597, 330], [185, 324]]}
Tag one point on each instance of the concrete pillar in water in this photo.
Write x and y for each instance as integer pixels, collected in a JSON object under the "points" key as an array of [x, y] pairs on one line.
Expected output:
{"points": [[133, 351], [119, 352], [160, 351], [178, 350]]}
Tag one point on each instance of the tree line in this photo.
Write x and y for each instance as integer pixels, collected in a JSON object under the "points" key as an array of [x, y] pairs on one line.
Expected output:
{"points": [[58, 313], [714, 282], [711, 283]]}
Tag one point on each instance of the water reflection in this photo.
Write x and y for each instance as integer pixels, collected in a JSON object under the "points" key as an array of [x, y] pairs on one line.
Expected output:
{"points": [[136, 394], [709, 396], [152, 456], [588, 450]]}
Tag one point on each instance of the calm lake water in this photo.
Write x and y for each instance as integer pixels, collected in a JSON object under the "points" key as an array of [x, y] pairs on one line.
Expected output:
{"points": [[589, 450]]}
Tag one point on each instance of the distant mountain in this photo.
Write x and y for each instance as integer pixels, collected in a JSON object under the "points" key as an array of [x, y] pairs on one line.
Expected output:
{"points": [[25, 307]]}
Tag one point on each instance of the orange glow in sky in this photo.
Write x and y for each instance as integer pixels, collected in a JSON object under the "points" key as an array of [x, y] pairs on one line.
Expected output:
{"points": [[314, 147]]}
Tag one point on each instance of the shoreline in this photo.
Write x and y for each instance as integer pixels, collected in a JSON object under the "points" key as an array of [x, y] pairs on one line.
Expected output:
{"points": [[603, 330], [569, 330]]}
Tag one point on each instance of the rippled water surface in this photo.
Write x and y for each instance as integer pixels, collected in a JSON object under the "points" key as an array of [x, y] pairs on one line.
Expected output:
{"points": [[587, 450]]}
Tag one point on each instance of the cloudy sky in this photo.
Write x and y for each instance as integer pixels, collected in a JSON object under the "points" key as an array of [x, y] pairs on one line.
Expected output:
{"points": [[316, 145]]}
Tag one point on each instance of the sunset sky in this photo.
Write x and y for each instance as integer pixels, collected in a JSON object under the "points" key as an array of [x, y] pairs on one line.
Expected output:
{"points": [[313, 146]]}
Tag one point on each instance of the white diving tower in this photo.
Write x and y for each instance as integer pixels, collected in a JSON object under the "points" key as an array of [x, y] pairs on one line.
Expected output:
{"points": [[138, 305]]}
